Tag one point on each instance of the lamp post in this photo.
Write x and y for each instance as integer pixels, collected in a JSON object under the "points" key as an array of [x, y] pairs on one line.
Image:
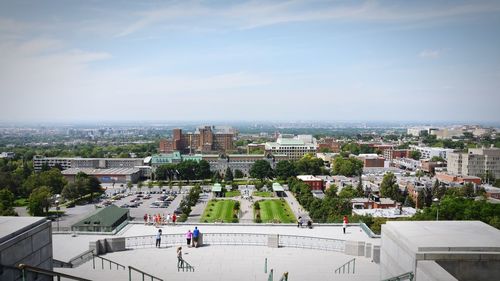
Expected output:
{"points": [[436, 200], [57, 210]]}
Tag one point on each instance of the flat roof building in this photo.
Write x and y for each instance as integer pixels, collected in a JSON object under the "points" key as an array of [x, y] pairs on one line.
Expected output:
{"points": [[113, 175], [293, 147]]}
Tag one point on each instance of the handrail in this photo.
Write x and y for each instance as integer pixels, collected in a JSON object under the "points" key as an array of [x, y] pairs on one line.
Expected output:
{"points": [[184, 265], [284, 277], [404, 276], [61, 264], [105, 259], [368, 231], [341, 268], [270, 277], [81, 258], [27, 268], [130, 268]]}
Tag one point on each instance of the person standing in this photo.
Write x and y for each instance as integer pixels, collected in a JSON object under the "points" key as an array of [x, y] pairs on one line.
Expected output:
{"points": [[299, 222], [189, 236], [174, 218], [168, 219], [344, 223], [158, 238], [180, 261], [196, 234], [145, 219]]}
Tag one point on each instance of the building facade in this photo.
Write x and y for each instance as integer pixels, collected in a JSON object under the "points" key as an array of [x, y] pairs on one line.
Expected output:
{"points": [[204, 139], [477, 162], [429, 152], [293, 147], [77, 162]]}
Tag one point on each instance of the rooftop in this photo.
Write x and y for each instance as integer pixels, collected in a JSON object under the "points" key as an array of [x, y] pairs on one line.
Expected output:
{"points": [[12, 226], [98, 172], [103, 217]]}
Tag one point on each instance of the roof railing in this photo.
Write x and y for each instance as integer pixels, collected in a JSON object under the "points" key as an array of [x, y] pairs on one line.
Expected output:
{"points": [[26, 269], [404, 276], [350, 265], [109, 261], [184, 265], [144, 274]]}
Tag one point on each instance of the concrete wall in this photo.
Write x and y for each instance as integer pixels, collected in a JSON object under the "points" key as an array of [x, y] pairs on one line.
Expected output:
{"points": [[395, 257], [468, 270], [32, 246], [431, 271]]}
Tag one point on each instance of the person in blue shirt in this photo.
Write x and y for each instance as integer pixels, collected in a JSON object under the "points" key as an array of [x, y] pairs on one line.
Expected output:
{"points": [[196, 234], [158, 238]]}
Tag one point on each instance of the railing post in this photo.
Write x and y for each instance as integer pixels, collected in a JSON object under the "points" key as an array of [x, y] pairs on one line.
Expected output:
{"points": [[265, 266], [348, 267], [93, 261], [129, 273], [142, 276], [102, 264], [353, 266]]}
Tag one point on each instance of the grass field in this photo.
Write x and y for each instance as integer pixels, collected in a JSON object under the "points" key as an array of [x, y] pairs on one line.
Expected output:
{"points": [[263, 194], [276, 211], [233, 193], [21, 202], [218, 210]]}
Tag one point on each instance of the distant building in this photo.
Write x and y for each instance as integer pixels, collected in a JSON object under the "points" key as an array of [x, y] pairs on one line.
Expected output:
{"points": [[373, 202], [109, 219], [477, 162], [407, 163], [294, 147], [77, 162], [404, 212], [7, 155], [371, 160], [112, 175], [391, 154], [449, 179], [204, 140], [314, 183], [329, 144], [327, 157], [429, 152]]}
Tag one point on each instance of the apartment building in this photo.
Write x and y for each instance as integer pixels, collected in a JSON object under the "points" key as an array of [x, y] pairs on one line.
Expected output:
{"points": [[294, 147], [476, 162]]}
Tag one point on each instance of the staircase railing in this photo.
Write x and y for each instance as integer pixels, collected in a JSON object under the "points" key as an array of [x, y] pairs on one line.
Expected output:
{"points": [[144, 274], [61, 264], [404, 276], [349, 265], [81, 258], [270, 277], [25, 269], [184, 265], [105, 259], [284, 277]]}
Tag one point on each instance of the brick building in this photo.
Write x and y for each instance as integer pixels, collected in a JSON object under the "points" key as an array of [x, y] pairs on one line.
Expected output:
{"points": [[314, 183], [202, 140]]}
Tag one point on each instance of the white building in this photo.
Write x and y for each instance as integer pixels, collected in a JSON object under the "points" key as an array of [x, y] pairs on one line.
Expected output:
{"points": [[293, 147], [429, 152], [407, 163], [77, 162]]}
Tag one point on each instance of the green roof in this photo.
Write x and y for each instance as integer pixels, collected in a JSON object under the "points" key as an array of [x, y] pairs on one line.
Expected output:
{"points": [[106, 217], [216, 187], [173, 157], [277, 187]]}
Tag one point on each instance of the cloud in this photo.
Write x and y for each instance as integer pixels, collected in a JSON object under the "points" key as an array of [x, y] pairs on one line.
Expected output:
{"points": [[255, 14], [430, 54]]}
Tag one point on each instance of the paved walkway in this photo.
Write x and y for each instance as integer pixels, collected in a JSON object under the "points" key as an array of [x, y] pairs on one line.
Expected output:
{"points": [[197, 210], [231, 263]]}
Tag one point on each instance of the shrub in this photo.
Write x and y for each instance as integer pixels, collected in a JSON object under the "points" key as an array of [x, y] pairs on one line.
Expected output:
{"points": [[235, 220], [237, 205], [256, 206]]}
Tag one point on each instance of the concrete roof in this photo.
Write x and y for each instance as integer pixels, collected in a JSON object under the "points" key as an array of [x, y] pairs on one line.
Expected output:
{"points": [[446, 236], [216, 187], [97, 172], [12, 226]]}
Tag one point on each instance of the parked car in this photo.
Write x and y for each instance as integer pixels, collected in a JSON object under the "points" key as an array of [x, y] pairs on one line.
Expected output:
{"points": [[134, 205], [125, 206], [164, 205], [178, 211], [154, 205]]}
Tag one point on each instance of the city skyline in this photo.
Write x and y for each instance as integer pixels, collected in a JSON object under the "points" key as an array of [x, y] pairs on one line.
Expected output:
{"points": [[249, 60]]}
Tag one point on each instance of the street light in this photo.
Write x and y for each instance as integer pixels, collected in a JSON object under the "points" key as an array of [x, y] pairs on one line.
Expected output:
{"points": [[436, 200], [57, 210]]}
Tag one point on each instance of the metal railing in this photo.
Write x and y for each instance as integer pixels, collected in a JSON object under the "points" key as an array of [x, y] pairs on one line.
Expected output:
{"points": [[25, 270], [326, 244], [144, 274], [81, 258], [284, 277], [350, 264], [270, 277], [250, 239], [184, 265], [109, 261], [61, 264], [404, 276]]}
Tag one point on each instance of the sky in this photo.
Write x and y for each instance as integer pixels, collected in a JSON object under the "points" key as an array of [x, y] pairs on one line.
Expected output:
{"points": [[249, 60]]}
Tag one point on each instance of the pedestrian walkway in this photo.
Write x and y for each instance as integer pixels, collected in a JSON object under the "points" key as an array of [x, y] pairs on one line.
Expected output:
{"points": [[197, 210], [296, 207]]}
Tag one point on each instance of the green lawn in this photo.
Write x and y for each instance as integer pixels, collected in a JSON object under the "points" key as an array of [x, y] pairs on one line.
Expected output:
{"points": [[276, 211], [233, 193], [263, 194], [21, 202], [220, 210]]}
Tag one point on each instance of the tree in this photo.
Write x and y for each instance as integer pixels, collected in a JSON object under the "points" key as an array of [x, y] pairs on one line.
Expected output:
{"points": [[129, 186], [7, 203], [285, 169], [347, 166], [203, 170], [150, 185], [414, 154], [419, 174], [70, 191], [348, 192], [389, 187], [239, 174], [261, 169], [228, 176], [161, 184], [140, 184], [359, 188], [437, 159], [39, 201], [93, 186], [308, 165]]}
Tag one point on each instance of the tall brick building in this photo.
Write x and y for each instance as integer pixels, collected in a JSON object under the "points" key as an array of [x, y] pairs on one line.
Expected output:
{"points": [[202, 140]]}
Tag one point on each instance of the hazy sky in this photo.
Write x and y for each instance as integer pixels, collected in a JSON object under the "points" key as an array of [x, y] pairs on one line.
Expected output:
{"points": [[249, 60]]}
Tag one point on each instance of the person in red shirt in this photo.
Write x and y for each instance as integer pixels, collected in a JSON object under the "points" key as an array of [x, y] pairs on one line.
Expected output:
{"points": [[345, 222], [174, 218]]}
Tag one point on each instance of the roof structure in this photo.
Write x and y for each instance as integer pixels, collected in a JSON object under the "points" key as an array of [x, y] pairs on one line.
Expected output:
{"points": [[216, 187], [277, 187], [100, 172], [106, 217]]}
